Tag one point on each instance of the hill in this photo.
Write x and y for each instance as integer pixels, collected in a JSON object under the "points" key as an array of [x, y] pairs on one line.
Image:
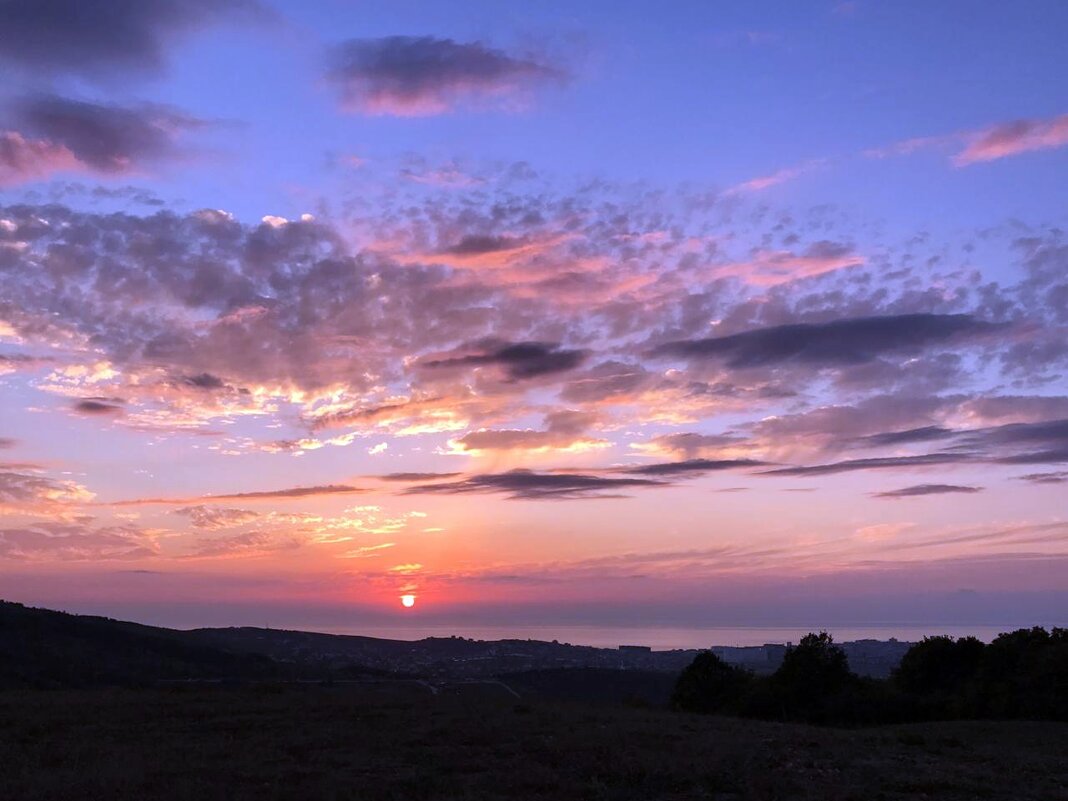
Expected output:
{"points": [[42, 648]]}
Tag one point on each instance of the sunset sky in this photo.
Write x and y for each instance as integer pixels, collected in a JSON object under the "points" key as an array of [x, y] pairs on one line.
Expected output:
{"points": [[600, 313]]}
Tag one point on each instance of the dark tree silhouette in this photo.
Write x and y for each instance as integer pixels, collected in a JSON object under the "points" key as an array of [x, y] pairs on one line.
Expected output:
{"points": [[940, 674], [813, 681], [1025, 675], [709, 685]]}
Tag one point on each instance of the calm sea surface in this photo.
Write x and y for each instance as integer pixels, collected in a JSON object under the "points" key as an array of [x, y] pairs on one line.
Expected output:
{"points": [[667, 638]]}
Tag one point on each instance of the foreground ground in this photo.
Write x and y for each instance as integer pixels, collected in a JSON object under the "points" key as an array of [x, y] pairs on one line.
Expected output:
{"points": [[404, 743]]}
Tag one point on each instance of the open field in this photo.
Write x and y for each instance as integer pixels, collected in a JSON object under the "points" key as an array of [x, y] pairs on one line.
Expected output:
{"points": [[400, 742]]}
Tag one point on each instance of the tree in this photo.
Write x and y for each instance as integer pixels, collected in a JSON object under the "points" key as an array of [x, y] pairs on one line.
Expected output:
{"points": [[1025, 675], [709, 685], [939, 665], [940, 674], [814, 681]]}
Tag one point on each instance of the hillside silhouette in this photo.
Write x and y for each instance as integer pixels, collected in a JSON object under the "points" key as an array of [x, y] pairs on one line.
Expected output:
{"points": [[43, 648]]}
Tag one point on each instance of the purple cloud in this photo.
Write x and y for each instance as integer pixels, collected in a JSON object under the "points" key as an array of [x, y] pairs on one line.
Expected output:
{"points": [[422, 75], [108, 37]]}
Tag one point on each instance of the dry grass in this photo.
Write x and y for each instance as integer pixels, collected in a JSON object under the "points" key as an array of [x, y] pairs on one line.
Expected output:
{"points": [[401, 743]]}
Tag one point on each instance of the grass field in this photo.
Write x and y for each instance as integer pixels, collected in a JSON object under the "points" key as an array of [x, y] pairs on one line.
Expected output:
{"points": [[403, 743]]}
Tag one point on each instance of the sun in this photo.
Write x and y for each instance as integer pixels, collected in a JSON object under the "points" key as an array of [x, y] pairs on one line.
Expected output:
{"points": [[408, 601]]}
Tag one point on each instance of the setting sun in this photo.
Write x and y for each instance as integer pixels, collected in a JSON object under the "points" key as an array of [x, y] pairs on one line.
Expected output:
{"points": [[408, 601]]}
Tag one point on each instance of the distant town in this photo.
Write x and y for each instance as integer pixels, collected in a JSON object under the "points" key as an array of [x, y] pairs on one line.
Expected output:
{"points": [[460, 657]]}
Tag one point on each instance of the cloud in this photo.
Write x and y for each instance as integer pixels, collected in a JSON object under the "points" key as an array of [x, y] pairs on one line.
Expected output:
{"points": [[256, 336], [289, 493], [113, 37], [1049, 436], [1059, 477], [23, 159], [95, 407], [782, 176], [476, 251], [771, 268], [23, 493], [75, 541], [1013, 138], [367, 551], [530, 486], [216, 517], [908, 436], [839, 342], [205, 381], [565, 430], [97, 138], [294, 492], [874, 463], [987, 144], [691, 466], [416, 477], [251, 543], [689, 444], [927, 489], [520, 360], [414, 76], [528, 440]]}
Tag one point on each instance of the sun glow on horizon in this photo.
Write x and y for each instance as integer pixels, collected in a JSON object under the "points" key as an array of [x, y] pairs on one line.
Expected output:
{"points": [[407, 601]]}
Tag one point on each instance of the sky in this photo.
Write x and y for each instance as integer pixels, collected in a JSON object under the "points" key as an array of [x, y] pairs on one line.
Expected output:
{"points": [[610, 314]]}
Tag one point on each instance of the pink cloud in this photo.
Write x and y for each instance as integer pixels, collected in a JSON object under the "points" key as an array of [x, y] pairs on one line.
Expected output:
{"points": [[987, 144], [774, 179], [771, 268], [1013, 138], [23, 159]]}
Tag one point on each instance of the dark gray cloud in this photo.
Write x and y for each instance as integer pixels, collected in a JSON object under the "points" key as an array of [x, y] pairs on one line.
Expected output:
{"points": [[94, 406], [1046, 442], [520, 360], [1058, 477], [109, 139], [691, 466], [205, 381], [927, 489], [102, 36], [479, 245], [528, 485], [874, 463], [416, 477], [420, 75], [7, 442], [1043, 431], [848, 341], [891, 438]]}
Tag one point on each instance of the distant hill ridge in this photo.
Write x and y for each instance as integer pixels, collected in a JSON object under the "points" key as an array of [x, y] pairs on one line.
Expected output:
{"points": [[46, 648]]}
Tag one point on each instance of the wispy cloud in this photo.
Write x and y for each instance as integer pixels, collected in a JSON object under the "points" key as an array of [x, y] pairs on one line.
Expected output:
{"points": [[991, 143], [928, 489]]}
